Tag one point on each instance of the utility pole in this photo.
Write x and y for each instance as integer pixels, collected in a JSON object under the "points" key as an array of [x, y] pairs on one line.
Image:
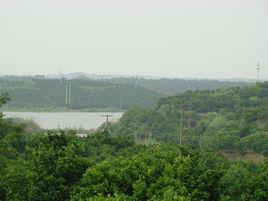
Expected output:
{"points": [[70, 91], [189, 120], [182, 107], [107, 118], [120, 104], [60, 76], [66, 91], [181, 124], [258, 71]]}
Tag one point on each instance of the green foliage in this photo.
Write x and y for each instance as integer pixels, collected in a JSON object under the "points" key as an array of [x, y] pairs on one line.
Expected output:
{"points": [[155, 174], [38, 165], [12, 141], [59, 166], [4, 98], [49, 173], [175, 86], [258, 184], [49, 94], [257, 142], [48, 166], [101, 145], [220, 119], [13, 144], [110, 198], [41, 94], [235, 181]]}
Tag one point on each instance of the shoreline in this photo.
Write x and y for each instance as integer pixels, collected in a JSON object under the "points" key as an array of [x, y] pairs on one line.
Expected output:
{"points": [[61, 110]]}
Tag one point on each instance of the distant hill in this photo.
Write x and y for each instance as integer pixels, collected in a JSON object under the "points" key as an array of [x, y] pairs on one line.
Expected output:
{"points": [[39, 93], [176, 86], [165, 86], [234, 119], [47, 92]]}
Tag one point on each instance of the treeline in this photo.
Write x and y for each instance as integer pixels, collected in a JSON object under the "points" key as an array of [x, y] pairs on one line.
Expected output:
{"points": [[40, 93], [58, 166], [50, 94], [177, 86], [225, 119]]}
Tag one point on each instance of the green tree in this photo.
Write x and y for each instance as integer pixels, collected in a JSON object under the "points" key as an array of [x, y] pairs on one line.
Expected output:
{"points": [[50, 171], [258, 184], [235, 181], [4, 98], [154, 174]]}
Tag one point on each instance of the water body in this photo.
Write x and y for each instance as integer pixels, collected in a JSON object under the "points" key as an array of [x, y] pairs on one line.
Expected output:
{"points": [[53, 120]]}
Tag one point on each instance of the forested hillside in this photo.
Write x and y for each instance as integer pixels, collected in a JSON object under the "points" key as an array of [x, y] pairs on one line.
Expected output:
{"points": [[176, 86], [46, 165], [226, 119], [40, 93], [29, 93]]}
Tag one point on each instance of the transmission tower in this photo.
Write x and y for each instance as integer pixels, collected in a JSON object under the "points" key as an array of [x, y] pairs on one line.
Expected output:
{"points": [[70, 91], [61, 77], [120, 104], [66, 91], [258, 71], [183, 107]]}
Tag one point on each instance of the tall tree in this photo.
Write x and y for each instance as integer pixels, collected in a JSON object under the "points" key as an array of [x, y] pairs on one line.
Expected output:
{"points": [[4, 98]]}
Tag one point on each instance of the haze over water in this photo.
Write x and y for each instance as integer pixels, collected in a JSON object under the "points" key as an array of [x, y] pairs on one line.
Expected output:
{"points": [[86, 120]]}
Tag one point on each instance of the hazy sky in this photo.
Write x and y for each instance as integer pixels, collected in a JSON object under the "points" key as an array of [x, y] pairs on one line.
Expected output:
{"points": [[172, 38]]}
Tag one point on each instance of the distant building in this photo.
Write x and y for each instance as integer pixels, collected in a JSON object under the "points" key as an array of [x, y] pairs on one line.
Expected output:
{"points": [[81, 135]]}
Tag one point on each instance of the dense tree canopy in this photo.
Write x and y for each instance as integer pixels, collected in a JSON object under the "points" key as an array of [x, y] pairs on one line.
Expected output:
{"points": [[40, 93], [110, 164], [49, 94], [176, 86], [233, 118]]}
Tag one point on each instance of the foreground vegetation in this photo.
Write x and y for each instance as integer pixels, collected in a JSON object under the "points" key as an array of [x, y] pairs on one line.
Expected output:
{"points": [[39, 165], [59, 166]]}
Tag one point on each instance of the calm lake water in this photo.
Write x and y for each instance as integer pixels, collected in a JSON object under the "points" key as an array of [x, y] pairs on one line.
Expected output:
{"points": [[53, 120]]}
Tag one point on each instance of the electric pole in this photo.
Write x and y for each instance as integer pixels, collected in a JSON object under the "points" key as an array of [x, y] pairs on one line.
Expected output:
{"points": [[70, 91], [120, 104], [60, 76], [189, 120], [181, 124], [107, 118], [258, 71], [66, 91]]}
